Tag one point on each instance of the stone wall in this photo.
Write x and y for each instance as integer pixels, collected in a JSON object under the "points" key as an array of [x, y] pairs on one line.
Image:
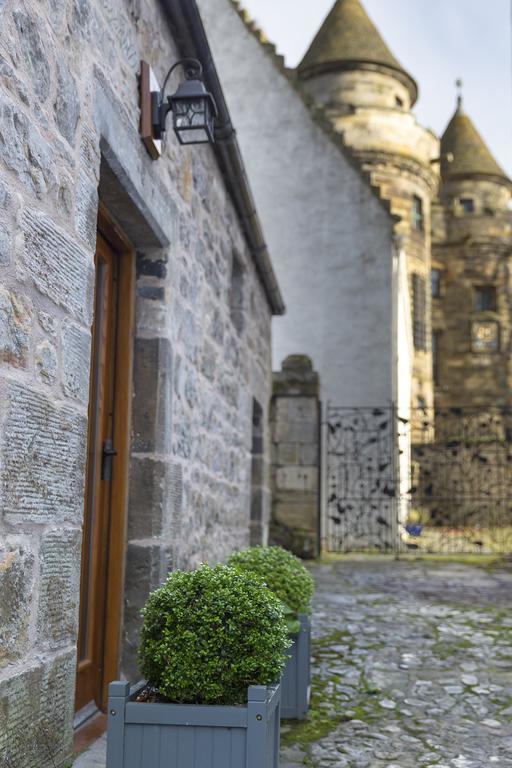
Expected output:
{"points": [[472, 250], [330, 236], [295, 432], [68, 127]]}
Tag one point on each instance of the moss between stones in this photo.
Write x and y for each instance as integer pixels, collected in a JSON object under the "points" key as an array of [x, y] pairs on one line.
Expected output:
{"points": [[329, 707]]}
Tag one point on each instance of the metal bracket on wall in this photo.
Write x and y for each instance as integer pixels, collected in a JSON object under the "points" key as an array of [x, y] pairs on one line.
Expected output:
{"points": [[148, 85]]}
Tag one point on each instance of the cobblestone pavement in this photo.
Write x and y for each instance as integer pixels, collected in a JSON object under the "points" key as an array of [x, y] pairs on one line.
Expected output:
{"points": [[412, 667]]}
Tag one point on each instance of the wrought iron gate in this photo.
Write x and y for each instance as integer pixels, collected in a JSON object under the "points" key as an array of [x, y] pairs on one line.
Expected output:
{"points": [[431, 481]]}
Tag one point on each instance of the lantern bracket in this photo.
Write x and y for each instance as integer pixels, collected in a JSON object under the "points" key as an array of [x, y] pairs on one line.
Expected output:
{"points": [[160, 107]]}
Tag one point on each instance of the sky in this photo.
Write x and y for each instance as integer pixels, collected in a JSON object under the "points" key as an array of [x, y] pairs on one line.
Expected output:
{"points": [[437, 41]]}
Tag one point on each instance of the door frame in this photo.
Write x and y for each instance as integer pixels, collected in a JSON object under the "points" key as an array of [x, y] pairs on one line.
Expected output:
{"points": [[116, 539]]}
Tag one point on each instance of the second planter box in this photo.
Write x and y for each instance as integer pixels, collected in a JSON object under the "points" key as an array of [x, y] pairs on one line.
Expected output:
{"points": [[296, 680]]}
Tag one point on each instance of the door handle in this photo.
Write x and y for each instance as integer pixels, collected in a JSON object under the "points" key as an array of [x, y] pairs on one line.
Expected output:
{"points": [[107, 455]]}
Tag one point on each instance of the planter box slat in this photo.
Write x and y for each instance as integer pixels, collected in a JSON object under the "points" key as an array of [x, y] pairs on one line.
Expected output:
{"points": [[142, 735], [132, 749], [181, 714], [295, 684]]}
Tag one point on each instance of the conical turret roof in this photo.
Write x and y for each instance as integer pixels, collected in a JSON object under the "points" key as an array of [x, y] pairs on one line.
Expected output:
{"points": [[349, 38], [464, 152]]}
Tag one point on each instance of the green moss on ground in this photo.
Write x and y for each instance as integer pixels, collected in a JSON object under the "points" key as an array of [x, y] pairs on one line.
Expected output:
{"points": [[330, 705]]}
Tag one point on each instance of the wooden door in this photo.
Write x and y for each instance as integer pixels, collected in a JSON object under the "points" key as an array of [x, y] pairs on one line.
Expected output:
{"points": [[106, 476]]}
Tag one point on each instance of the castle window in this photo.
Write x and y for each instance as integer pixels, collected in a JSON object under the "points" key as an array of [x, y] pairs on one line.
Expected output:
{"points": [[485, 336], [435, 283], [417, 213], [236, 294], [399, 102], [467, 204], [436, 338], [419, 312], [484, 298]]}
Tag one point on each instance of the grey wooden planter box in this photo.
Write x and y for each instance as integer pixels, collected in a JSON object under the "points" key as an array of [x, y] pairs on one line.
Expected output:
{"points": [[296, 680], [145, 735]]}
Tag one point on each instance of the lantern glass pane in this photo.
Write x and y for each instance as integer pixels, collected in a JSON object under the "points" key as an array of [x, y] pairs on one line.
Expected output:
{"points": [[193, 136]]}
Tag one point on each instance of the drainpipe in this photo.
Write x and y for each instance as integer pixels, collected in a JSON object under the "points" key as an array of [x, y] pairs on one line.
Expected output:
{"points": [[188, 31]]}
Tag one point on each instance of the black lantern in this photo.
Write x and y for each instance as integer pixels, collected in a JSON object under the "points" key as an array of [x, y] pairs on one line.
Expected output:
{"points": [[192, 106]]}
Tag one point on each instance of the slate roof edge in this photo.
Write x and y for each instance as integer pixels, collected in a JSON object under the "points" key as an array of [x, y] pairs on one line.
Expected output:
{"points": [[190, 36]]}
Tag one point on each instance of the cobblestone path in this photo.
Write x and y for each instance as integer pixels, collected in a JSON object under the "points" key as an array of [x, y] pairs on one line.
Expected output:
{"points": [[412, 668]]}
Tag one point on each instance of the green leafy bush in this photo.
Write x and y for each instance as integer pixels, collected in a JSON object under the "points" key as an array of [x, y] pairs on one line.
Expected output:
{"points": [[209, 634], [284, 574]]}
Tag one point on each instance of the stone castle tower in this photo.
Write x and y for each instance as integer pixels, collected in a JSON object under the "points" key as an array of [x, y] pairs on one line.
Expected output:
{"points": [[351, 73], [471, 272]]}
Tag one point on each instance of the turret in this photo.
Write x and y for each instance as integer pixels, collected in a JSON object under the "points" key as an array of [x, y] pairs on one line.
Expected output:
{"points": [[367, 94], [472, 260], [472, 180], [352, 66]]}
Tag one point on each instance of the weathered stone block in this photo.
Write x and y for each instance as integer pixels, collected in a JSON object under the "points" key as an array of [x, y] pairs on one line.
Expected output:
{"points": [[152, 392], [86, 216], [67, 103], [149, 498], [289, 453], [42, 452], [13, 138], [295, 431], [33, 52], [5, 249], [15, 324], [76, 351], [60, 269], [46, 362], [16, 584], [59, 587], [297, 479], [48, 323], [36, 707], [143, 574]]}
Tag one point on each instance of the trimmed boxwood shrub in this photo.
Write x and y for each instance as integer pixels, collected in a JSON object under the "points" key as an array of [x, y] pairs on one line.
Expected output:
{"points": [[284, 574], [209, 634]]}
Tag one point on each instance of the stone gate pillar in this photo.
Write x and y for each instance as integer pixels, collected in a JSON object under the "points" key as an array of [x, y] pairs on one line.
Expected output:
{"points": [[295, 432]]}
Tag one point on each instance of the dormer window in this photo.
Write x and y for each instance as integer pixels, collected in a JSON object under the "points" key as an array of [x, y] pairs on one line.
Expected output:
{"points": [[467, 204], [417, 213]]}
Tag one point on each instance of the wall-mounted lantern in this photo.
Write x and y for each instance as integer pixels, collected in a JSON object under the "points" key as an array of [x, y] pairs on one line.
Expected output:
{"points": [[193, 108]]}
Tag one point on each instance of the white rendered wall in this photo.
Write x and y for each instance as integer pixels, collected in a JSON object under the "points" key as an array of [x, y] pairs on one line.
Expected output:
{"points": [[329, 237]]}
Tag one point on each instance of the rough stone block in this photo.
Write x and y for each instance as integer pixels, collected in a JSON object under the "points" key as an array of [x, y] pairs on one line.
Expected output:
{"points": [[33, 52], [67, 103], [149, 497], [36, 707], [295, 431], [289, 453], [60, 269], [298, 479], [46, 362], [86, 215], [143, 574], [42, 459], [76, 352], [23, 149], [5, 249], [59, 587], [16, 584], [15, 323], [310, 454], [152, 392]]}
